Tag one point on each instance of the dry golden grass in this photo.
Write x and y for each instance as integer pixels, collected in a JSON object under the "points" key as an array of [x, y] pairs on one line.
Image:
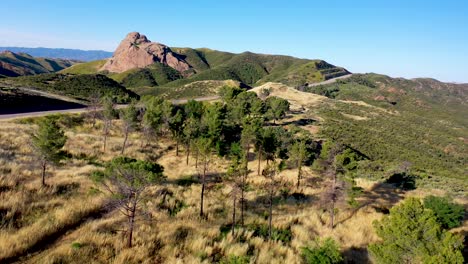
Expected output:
{"points": [[64, 223]]}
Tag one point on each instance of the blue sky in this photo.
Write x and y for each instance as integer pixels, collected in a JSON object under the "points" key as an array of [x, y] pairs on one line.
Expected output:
{"points": [[397, 38]]}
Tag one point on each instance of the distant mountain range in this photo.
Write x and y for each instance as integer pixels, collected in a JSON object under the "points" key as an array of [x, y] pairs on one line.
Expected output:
{"points": [[71, 54], [21, 64]]}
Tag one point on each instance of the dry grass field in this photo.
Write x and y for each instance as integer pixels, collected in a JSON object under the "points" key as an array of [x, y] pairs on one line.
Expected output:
{"points": [[68, 221]]}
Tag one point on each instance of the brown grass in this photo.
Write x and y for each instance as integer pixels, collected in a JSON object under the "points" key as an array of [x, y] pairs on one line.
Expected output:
{"points": [[71, 227]]}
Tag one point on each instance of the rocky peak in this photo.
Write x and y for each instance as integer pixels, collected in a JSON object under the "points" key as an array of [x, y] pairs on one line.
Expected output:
{"points": [[136, 51]]}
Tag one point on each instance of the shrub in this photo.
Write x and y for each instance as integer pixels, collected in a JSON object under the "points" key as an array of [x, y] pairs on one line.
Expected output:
{"points": [[411, 234], [448, 214], [231, 259], [326, 251]]}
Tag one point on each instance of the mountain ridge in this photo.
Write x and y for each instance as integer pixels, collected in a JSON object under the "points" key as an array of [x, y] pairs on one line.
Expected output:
{"points": [[20, 64], [61, 53]]}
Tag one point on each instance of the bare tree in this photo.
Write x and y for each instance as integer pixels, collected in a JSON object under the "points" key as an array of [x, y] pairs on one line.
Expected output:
{"points": [[336, 190], [126, 181], [271, 172], [204, 148], [297, 155], [94, 106], [129, 118]]}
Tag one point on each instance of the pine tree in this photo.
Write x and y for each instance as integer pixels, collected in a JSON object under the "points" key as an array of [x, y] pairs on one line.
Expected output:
{"points": [[48, 142], [411, 234]]}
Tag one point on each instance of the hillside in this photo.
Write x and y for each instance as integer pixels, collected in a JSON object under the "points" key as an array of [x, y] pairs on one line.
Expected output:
{"points": [[210, 206], [81, 87], [393, 120], [59, 53], [135, 64], [21, 64]]}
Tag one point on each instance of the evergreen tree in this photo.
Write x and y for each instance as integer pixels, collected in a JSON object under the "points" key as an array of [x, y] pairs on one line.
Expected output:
{"points": [[411, 234], [48, 142], [126, 180]]}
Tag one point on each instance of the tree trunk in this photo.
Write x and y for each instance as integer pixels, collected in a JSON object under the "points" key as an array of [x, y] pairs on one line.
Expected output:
{"points": [[124, 143], [202, 190], [188, 152], [299, 173], [242, 200], [233, 213], [177, 147], [196, 159], [131, 225], [107, 125], [201, 198], [259, 159], [332, 214], [271, 214], [44, 164], [94, 117], [105, 141]]}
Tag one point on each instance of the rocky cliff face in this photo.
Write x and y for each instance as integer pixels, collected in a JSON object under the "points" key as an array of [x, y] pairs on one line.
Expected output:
{"points": [[136, 51]]}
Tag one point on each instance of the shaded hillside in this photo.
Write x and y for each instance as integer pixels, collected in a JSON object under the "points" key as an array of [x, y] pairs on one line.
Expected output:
{"points": [[20, 64], [59, 53], [14, 101], [82, 86]]}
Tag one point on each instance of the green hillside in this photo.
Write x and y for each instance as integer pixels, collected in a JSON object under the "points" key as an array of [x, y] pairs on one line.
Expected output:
{"points": [[248, 68], [85, 68], [20, 64], [419, 121], [82, 86]]}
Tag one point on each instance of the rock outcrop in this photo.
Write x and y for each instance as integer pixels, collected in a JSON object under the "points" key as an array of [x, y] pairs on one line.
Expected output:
{"points": [[136, 51]]}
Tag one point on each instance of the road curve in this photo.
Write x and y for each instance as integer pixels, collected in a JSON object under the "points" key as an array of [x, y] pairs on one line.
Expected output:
{"points": [[84, 109], [175, 101]]}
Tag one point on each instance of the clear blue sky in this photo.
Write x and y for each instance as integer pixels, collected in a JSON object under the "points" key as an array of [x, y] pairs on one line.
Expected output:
{"points": [[397, 38]]}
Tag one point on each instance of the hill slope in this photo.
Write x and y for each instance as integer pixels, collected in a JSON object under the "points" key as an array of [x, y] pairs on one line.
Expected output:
{"points": [[59, 53], [393, 120], [203, 64], [20, 64], [81, 87]]}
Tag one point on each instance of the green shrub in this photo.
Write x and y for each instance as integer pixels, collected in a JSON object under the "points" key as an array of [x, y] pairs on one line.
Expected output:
{"points": [[277, 234], [326, 252], [411, 234], [231, 259], [448, 214]]}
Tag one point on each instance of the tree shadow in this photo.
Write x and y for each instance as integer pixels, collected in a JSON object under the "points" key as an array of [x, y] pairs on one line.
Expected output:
{"points": [[403, 181], [260, 204], [381, 197], [210, 179], [300, 122], [464, 234], [355, 255]]}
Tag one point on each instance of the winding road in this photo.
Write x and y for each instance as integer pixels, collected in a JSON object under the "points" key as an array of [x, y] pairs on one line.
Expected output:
{"points": [[84, 109]]}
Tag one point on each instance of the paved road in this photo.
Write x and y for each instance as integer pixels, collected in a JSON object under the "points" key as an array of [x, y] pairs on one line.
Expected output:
{"points": [[84, 109], [330, 80]]}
